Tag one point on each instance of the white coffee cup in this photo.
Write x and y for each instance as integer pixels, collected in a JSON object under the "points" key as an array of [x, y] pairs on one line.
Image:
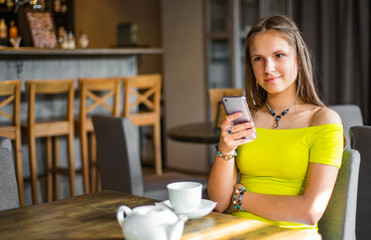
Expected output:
{"points": [[185, 196]]}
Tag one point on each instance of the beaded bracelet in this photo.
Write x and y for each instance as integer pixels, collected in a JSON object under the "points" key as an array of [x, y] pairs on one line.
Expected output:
{"points": [[238, 203], [225, 157]]}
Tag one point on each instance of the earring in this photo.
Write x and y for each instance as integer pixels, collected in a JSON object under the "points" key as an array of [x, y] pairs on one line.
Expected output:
{"points": [[257, 86]]}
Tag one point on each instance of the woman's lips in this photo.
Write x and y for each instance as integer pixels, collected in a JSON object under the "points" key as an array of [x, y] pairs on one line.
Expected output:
{"points": [[271, 79]]}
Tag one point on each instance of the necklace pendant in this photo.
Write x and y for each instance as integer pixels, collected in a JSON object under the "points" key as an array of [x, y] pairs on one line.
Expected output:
{"points": [[275, 125]]}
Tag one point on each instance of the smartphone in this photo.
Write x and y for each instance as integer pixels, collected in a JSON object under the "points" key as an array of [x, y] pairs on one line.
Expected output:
{"points": [[238, 104]]}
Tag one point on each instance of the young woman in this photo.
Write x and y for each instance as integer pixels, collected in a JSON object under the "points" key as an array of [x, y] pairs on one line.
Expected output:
{"points": [[288, 172]]}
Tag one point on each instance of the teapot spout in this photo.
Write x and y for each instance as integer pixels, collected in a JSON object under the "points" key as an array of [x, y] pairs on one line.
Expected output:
{"points": [[175, 231]]}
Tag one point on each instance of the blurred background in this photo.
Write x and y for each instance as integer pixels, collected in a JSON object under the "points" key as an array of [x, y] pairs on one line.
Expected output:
{"points": [[202, 42]]}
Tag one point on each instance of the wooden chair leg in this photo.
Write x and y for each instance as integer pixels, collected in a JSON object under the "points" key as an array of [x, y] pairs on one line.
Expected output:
{"points": [[56, 177], [157, 148], [33, 167], [19, 170], [49, 169], [71, 163], [93, 163], [98, 183], [84, 160]]}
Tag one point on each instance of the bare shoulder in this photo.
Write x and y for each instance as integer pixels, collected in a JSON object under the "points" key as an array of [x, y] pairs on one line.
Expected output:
{"points": [[325, 115]]}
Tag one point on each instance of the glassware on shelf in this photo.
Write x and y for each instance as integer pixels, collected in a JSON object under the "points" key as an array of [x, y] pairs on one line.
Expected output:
{"points": [[83, 41], [15, 41]]}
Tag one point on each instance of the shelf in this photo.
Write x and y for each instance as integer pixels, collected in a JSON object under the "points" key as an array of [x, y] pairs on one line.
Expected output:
{"points": [[30, 51]]}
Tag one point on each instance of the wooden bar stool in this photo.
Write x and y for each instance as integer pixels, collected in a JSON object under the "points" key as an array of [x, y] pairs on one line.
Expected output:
{"points": [[51, 130], [94, 93], [10, 91], [146, 90]]}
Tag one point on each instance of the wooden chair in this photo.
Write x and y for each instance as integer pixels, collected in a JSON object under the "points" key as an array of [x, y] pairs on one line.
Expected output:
{"points": [[94, 93], [217, 109], [11, 91], [51, 130], [119, 161], [146, 90]]}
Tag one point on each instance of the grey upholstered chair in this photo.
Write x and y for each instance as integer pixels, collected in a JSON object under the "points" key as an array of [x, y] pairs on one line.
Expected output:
{"points": [[361, 140], [8, 182], [339, 220], [119, 161], [351, 115]]}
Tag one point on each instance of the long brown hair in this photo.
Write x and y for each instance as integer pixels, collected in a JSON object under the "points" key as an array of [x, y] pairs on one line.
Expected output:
{"points": [[304, 83]]}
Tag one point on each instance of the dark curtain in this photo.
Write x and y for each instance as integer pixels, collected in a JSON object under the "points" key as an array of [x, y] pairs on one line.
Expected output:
{"points": [[338, 35]]}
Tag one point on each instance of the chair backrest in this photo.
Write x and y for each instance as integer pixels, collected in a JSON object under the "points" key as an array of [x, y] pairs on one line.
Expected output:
{"points": [[94, 93], [217, 109], [11, 90], [361, 140], [339, 220], [45, 87], [8, 183], [351, 115], [143, 94], [118, 154]]}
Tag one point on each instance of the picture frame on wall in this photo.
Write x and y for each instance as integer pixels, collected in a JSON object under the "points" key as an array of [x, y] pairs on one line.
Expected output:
{"points": [[42, 29]]}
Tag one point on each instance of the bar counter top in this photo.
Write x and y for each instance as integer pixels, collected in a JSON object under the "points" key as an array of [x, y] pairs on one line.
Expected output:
{"points": [[31, 51]]}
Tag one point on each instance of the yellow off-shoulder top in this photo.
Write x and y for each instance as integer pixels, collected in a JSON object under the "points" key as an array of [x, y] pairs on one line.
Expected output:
{"points": [[276, 162]]}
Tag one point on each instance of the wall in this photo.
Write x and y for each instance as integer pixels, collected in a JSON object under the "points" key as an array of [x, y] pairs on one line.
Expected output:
{"points": [[184, 73], [177, 27], [99, 19]]}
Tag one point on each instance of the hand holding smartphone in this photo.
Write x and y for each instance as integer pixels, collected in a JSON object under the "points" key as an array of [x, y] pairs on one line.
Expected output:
{"points": [[238, 104]]}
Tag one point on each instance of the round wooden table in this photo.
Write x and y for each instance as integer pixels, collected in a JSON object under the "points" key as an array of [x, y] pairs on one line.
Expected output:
{"points": [[202, 132]]}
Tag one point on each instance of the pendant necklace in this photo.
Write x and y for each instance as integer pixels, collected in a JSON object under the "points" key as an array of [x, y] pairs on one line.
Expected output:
{"points": [[278, 117]]}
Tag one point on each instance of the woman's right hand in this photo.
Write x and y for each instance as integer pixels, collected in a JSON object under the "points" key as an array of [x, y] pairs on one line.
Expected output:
{"points": [[233, 136]]}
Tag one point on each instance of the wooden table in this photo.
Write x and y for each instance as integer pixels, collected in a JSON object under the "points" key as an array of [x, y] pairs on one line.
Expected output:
{"points": [[93, 216], [202, 132]]}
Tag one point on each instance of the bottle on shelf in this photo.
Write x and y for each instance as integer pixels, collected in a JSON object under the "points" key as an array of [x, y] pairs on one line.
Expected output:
{"points": [[2, 3], [13, 30], [57, 5], [3, 33], [3, 29], [9, 4], [64, 6]]}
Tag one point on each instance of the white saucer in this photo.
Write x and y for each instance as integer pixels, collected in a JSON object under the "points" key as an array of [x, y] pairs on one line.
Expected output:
{"points": [[205, 208]]}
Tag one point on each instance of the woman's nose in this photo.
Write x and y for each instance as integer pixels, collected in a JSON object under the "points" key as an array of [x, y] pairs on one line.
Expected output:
{"points": [[269, 66]]}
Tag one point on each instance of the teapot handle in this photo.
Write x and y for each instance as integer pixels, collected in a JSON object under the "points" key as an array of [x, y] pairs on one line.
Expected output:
{"points": [[120, 214]]}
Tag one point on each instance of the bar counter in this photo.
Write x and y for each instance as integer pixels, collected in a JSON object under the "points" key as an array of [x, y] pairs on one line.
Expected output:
{"points": [[35, 63]]}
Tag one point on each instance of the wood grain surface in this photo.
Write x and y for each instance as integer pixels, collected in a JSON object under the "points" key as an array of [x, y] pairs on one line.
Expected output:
{"points": [[93, 216]]}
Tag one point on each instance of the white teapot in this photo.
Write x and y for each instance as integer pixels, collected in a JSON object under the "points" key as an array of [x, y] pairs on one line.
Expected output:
{"points": [[150, 223]]}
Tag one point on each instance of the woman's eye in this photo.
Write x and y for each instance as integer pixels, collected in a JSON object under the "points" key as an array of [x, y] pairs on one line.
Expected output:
{"points": [[257, 59], [279, 55]]}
